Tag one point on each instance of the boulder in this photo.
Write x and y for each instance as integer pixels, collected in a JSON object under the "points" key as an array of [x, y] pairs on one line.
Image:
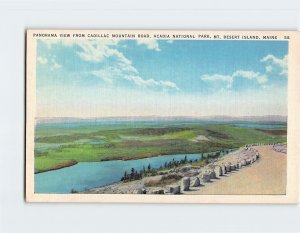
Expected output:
{"points": [[224, 169], [219, 171], [232, 167], [174, 189], [185, 183], [158, 191], [205, 177], [212, 174], [228, 168], [244, 163], [196, 182], [138, 191]]}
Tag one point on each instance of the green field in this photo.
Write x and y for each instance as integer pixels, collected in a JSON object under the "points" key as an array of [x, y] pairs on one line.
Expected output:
{"points": [[59, 147]]}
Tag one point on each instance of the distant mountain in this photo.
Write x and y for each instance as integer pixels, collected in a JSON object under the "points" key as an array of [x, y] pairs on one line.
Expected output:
{"points": [[268, 118]]}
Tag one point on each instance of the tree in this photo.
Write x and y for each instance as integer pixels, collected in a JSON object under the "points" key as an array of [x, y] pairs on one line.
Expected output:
{"points": [[132, 173]]}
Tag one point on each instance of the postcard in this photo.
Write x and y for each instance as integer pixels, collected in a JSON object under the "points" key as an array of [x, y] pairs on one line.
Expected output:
{"points": [[162, 116]]}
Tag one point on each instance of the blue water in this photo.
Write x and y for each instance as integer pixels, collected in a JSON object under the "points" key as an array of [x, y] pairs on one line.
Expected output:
{"points": [[95, 142], [157, 124], [88, 175], [259, 126], [44, 148]]}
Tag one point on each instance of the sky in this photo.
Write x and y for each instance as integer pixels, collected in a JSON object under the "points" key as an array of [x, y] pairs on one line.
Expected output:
{"points": [[105, 78]]}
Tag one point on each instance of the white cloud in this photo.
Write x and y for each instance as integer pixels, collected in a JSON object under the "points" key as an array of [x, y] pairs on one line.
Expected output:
{"points": [[229, 79], [269, 69], [150, 44], [97, 51], [273, 61], [170, 41], [218, 77], [169, 84], [55, 65], [42, 60], [151, 82], [260, 78], [107, 74]]}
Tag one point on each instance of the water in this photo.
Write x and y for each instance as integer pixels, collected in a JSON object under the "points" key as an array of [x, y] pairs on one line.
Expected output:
{"points": [[88, 175], [45, 148], [259, 126]]}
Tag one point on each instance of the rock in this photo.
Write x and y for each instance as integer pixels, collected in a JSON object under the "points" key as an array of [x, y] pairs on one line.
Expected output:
{"points": [[205, 177], [196, 182], [158, 191], [144, 191], [219, 171], [228, 168], [232, 167], [174, 189], [244, 162], [224, 169], [238, 166], [185, 169], [212, 175], [138, 191], [185, 183]]}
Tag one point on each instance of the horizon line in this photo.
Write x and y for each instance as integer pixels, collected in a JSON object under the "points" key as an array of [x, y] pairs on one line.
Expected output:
{"points": [[162, 116]]}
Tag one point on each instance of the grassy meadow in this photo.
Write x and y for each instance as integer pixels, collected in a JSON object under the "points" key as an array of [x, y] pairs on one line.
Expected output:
{"points": [[57, 147]]}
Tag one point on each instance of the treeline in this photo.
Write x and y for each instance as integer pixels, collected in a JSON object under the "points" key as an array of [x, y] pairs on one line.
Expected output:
{"points": [[149, 171]]}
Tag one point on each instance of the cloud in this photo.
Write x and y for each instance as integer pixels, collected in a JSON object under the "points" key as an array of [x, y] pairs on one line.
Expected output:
{"points": [[116, 67], [281, 64], [260, 78], [217, 78], [229, 79], [170, 41], [42, 60], [107, 74], [152, 82], [96, 51], [269, 69], [55, 65], [151, 44], [111, 74]]}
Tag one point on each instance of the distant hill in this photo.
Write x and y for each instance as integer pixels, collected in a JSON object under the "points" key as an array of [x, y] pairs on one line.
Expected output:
{"points": [[268, 118]]}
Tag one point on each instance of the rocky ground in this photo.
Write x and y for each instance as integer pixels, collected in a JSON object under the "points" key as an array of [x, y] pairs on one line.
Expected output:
{"points": [[204, 180]]}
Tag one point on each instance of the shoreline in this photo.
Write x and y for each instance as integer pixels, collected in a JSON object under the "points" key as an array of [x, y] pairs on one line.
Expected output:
{"points": [[58, 167], [256, 178], [127, 159]]}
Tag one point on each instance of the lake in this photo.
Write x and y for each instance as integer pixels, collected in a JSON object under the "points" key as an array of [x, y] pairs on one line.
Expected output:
{"points": [[87, 175], [258, 125]]}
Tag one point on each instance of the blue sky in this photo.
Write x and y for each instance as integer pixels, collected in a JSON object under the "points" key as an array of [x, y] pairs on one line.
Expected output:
{"points": [[98, 78]]}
